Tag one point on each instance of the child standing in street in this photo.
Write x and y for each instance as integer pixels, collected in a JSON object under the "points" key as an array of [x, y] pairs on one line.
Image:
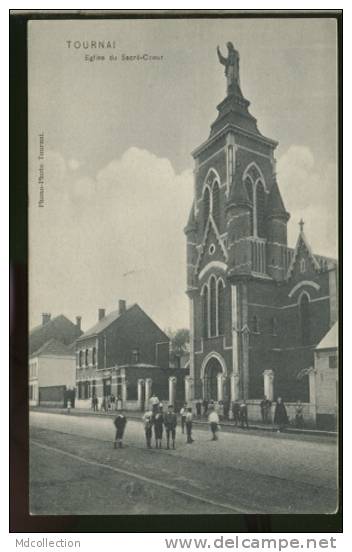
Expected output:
{"points": [[120, 424], [189, 418], [213, 420], [148, 424], [158, 420], [183, 413], [170, 422]]}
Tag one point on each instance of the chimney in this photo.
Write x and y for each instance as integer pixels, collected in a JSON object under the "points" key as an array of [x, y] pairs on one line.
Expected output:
{"points": [[78, 322], [45, 318], [101, 314], [122, 306]]}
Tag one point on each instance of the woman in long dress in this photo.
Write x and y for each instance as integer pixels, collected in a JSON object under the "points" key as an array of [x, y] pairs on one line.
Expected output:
{"points": [[280, 416]]}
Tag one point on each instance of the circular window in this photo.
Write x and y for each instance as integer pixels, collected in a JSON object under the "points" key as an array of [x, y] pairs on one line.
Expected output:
{"points": [[211, 249]]}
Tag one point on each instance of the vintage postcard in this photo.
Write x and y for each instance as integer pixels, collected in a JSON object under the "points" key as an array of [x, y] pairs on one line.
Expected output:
{"points": [[183, 265]]}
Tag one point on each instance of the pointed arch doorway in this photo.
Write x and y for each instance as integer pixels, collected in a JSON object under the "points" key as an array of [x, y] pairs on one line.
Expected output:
{"points": [[214, 378]]}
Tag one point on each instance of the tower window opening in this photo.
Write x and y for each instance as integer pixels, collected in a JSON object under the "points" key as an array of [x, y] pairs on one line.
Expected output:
{"points": [[249, 188], [206, 206], [221, 309], [216, 204], [212, 291], [305, 319], [230, 164], [260, 208], [205, 312]]}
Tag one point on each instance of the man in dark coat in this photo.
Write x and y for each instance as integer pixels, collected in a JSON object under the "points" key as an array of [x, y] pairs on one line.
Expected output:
{"points": [[170, 422], [148, 425], [205, 407], [120, 424], [265, 406], [158, 420], [199, 409], [189, 423], [280, 416], [243, 414], [236, 412]]}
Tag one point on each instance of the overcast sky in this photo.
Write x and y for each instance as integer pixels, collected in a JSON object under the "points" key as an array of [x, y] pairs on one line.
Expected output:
{"points": [[118, 136]]}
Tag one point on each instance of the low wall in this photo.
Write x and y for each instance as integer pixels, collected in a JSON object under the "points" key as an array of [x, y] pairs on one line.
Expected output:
{"points": [[86, 404], [52, 404], [254, 412]]}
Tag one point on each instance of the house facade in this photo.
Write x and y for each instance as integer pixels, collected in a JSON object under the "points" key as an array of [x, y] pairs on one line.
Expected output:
{"points": [[125, 355], [324, 380], [51, 370], [52, 374], [258, 308]]}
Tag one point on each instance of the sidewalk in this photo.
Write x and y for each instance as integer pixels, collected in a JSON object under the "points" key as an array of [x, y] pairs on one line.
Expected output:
{"points": [[229, 425]]}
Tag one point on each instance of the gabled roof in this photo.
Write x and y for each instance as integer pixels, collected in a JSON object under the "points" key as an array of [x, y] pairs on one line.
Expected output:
{"points": [[210, 224], [275, 205], [301, 239], [105, 322], [53, 347], [191, 223], [330, 339], [60, 328], [114, 316]]}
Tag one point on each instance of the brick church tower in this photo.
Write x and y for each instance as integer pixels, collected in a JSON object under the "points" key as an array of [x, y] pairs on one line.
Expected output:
{"points": [[252, 297]]}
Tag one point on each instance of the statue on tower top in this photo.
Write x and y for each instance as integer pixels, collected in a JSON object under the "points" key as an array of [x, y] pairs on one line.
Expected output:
{"points": [[232, 67]]}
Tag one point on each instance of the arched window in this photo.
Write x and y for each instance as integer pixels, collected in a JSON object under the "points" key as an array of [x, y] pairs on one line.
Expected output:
{"points": [[273, 323], [206, 206], [212, 292], [249, 188], [302, 265], [94, 356], [230, 164], [86, 357], [205, 312], [305, 318], [221, 304], [80, 359], [255, 324], [260, 207], [216, 204]]}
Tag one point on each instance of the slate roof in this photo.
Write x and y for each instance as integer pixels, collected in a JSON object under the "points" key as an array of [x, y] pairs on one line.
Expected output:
{"points": [[330, 339], [53, 347], [105, 322], [275, 205], [60, 328]]}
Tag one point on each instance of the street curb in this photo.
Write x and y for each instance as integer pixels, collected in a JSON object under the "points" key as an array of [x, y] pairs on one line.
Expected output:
{"points": [[138, 416]]}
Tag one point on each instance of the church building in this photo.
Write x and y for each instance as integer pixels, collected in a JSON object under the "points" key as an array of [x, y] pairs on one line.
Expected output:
{"points": [[258, 308]]}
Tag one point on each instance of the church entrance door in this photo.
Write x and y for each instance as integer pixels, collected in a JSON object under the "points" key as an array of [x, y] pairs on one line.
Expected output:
{"points": [[212, 369]]}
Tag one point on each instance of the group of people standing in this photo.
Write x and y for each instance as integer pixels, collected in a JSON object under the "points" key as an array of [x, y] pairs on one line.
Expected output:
{"points": [[107, 403], [156, 420]]}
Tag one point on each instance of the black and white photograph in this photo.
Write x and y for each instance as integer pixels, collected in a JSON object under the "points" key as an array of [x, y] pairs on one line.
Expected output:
{"points": [[183, 271]]}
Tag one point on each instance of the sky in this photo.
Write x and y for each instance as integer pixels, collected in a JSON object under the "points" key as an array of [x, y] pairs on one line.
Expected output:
{"points": [[118, 136]]}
